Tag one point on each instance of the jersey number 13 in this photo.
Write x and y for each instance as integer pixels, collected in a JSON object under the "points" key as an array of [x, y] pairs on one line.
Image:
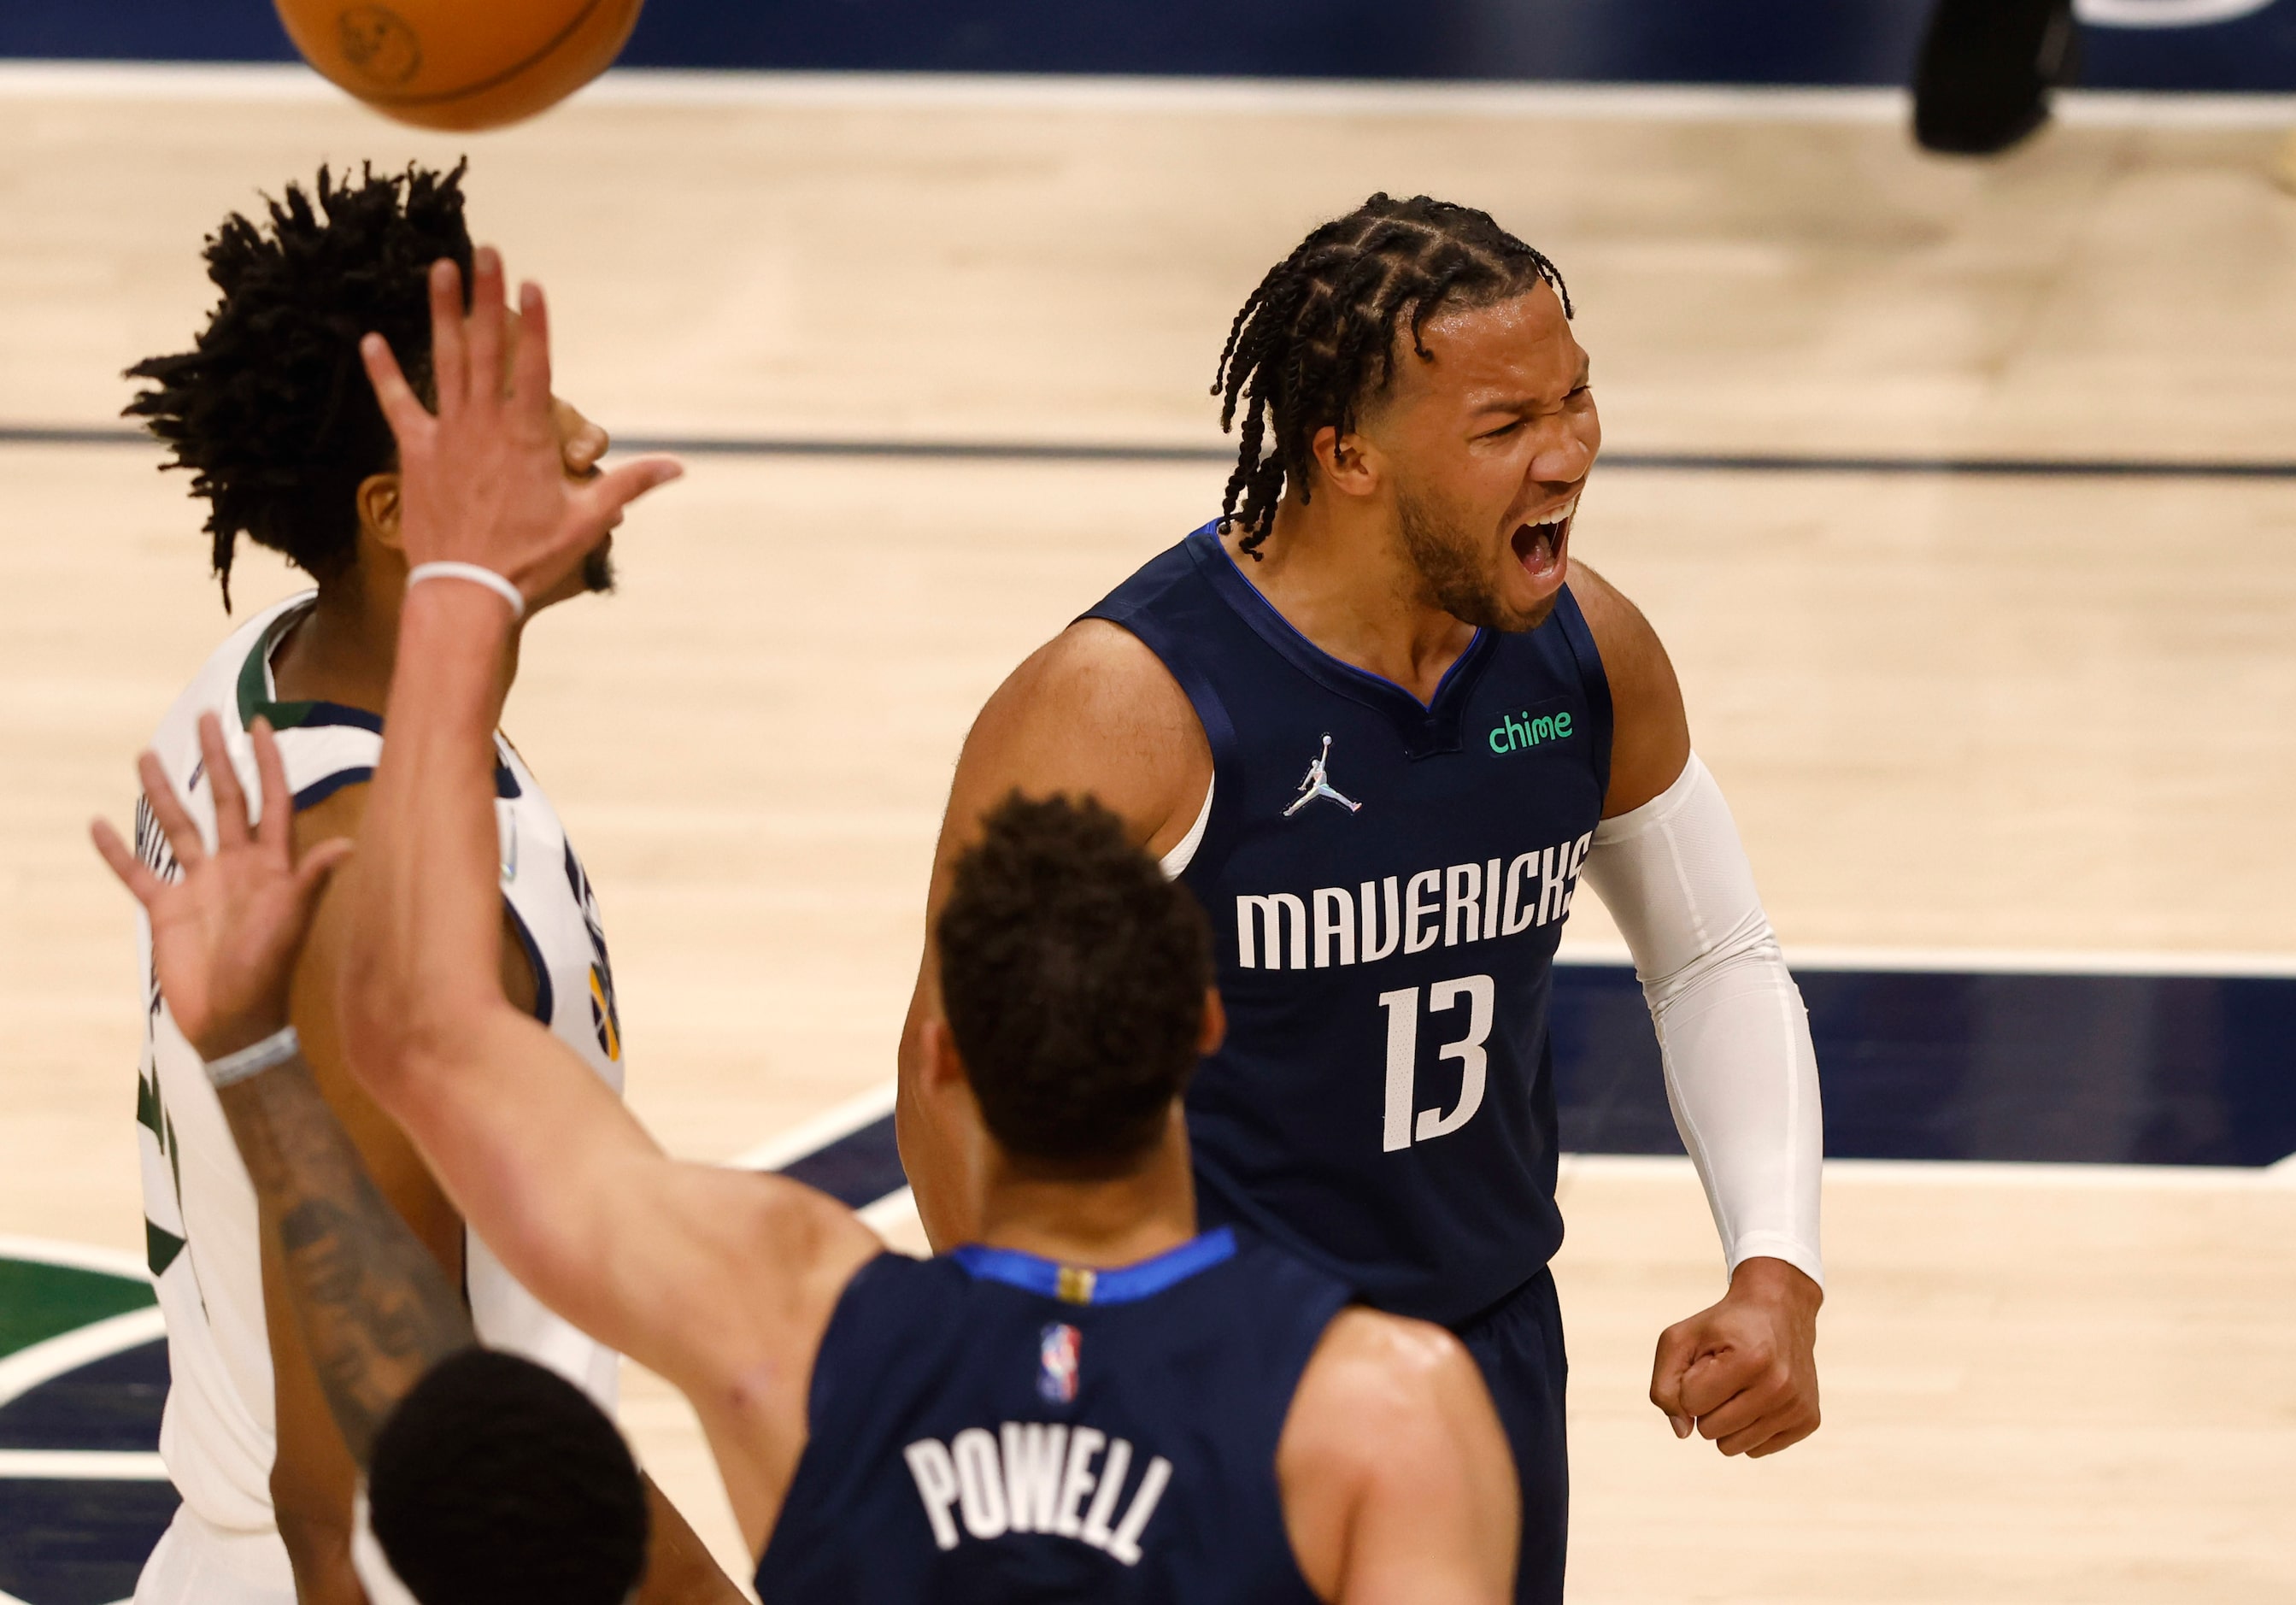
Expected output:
{"points": [[1402, 1127]]}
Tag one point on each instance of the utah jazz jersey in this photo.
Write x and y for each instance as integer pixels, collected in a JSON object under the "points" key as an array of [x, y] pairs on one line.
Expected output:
{"points": [[1386, 881], [993, 1429], [218, 1435]]}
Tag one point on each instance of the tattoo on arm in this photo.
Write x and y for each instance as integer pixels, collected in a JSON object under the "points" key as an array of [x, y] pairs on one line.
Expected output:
{"points": [[375, 1310]]}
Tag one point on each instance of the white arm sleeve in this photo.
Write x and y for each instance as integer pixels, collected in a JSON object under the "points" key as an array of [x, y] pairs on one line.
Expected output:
{"points": [[1740, 1074]]}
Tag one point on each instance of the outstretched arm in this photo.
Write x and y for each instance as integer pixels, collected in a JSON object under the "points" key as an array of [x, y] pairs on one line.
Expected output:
{"points": [[374, 1309], [716, 1279]]}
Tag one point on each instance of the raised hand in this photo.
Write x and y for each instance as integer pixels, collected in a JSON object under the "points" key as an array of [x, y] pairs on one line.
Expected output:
{"points": [[226, 932], [483, 480]]}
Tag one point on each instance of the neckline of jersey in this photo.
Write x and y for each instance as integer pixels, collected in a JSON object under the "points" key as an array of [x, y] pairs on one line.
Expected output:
{"points": [[1126, 1284], [258, 693], [1266, 621], [259, 697]]}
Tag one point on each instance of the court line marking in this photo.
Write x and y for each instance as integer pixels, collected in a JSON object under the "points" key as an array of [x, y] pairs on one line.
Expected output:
{"points": [[76, 1256], [857, 1114], [1987, 961], [1973, 1172], [1149, 452], [833, 1124], [27, 1368], [796, 90], [82, 1465]]}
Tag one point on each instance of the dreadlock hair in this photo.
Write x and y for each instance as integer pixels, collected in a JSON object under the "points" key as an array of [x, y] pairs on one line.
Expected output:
{"points": [[272, 411], [1317, 338]]}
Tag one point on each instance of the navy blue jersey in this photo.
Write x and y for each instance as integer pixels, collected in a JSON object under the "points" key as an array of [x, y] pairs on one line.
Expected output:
{"points": [[993, 1427], [1386, 881]]}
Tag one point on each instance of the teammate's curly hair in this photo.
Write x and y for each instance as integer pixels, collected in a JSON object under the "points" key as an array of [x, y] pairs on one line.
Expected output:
{"points": [[272, 411], [1317, 338], [1072, 975]]}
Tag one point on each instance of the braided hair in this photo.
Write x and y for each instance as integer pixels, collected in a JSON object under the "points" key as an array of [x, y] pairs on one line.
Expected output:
{"points": [[270, 411], [1318, 336]]}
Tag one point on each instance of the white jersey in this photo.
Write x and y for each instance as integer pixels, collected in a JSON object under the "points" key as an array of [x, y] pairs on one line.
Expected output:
{"points": [[218, 1434]]}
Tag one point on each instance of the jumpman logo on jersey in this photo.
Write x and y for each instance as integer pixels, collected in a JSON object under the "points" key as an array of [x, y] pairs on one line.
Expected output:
{"points": [[1318, 784]]}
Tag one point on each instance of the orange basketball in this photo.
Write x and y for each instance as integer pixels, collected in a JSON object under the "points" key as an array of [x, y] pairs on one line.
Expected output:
{"points": [[460, 64]]}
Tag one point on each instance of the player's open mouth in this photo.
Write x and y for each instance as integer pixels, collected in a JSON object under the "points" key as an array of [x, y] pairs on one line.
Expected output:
{"points": [[1539, 546]]}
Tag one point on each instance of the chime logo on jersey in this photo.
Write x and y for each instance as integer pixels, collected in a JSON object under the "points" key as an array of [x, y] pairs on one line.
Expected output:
{"points": [[1060, 1351]]}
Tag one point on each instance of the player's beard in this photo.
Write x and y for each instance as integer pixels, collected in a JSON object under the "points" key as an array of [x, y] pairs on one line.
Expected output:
{"points": [[598, 570], [1449, 563]]}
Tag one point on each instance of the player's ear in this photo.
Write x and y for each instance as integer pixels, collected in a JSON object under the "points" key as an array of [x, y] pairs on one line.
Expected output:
{"points": [[943, 1068], [378, 507], [1344, 462], [1214, 1031]]}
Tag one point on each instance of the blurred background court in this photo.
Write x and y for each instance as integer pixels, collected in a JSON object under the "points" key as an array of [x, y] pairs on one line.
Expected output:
{"points": [[1964, 494]]}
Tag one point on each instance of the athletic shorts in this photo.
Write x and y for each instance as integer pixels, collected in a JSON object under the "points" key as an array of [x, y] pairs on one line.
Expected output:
{"points": [[1518, 1343]]}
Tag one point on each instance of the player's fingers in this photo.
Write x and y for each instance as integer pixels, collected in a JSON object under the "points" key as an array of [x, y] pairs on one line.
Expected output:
{"points": [[275, 828], [230, 799], [603, 498], [184, 839], [1719, 1375], [134, 873], [1786, 1439], [586, 442], [316, 865], [530, 378], [486, 326], [1675, 1346], [450, 355], [402, 409], [1733, 1415]]}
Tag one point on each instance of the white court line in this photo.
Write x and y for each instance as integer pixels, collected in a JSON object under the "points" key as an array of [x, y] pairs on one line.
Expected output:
{"points": [[843, 1121], [664, 86], [27, 1368], [76, 1256], [1973, 1172], [2040, 961], [82, 1465], [892, 1208]]}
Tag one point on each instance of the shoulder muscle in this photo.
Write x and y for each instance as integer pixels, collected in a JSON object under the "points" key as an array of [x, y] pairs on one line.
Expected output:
{"points": [[1649, 739], [1398, 1483], [1093, 710]]}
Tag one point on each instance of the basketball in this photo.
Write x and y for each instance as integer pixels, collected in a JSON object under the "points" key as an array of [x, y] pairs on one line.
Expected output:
{"points": [[450, 64]]}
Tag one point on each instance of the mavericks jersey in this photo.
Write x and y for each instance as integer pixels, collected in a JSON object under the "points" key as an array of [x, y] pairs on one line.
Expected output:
{"points": [[218, 1435], [1386, 881], [992, 1429]]}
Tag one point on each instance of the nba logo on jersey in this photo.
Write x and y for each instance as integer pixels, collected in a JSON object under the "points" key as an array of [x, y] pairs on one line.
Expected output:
{"points": [[1059, 1351]]}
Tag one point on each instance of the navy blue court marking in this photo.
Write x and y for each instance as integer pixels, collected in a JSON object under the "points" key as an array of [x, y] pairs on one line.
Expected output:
{"points": [[83, 1541], [1088, 451], [1647, 41], [2095, 1069]]}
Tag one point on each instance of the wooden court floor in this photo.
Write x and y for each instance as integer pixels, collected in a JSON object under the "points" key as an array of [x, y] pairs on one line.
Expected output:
{"points": [[2020, 713]]}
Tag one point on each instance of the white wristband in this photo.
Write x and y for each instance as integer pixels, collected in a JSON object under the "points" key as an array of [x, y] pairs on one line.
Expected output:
{"points": [[471, 572], [255, 1058]]}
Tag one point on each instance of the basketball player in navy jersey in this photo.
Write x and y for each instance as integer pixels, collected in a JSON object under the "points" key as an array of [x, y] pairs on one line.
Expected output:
{"points": [[1381, 723], [1092, 1401]]}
